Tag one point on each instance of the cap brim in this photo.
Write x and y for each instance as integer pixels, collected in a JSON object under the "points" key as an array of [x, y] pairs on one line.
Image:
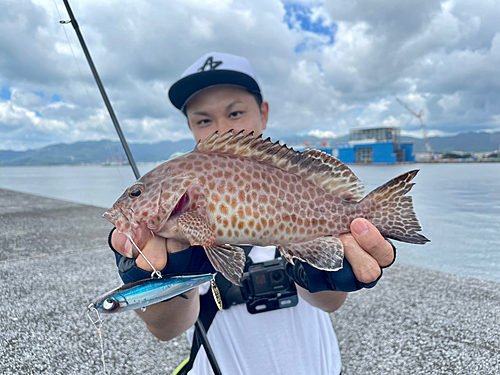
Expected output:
{"points": [[184, 88]]}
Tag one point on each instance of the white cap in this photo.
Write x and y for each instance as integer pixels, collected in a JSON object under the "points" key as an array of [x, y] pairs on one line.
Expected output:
{"points": [[210, 70]]}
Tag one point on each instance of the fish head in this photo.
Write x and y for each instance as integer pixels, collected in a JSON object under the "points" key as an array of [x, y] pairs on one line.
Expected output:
{"points": [[152, 204], [135, 209], [126, 214]]}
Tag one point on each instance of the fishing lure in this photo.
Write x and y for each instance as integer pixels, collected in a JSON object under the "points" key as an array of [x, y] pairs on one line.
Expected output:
{"points": [[142, 293]]}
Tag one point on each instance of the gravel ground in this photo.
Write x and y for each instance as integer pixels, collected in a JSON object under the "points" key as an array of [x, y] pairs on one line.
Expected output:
{"points": [[414, 322]]}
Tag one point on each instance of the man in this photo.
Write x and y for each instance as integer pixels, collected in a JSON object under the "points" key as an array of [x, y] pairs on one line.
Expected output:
{"points": [[220, 92]]}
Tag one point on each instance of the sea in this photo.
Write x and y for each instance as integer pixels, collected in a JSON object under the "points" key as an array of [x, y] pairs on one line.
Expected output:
{"points": [[458, 205]]}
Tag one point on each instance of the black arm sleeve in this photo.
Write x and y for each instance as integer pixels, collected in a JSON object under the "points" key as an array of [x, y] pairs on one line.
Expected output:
{"points": [[315, 280], [191, 260]]}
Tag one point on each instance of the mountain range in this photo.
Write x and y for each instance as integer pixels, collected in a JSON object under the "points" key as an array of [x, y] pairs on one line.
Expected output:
{"points": [[96, 152]]}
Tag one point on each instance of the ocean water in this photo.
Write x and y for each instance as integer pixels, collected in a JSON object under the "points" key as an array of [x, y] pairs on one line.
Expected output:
{"points": [[457, 204]]}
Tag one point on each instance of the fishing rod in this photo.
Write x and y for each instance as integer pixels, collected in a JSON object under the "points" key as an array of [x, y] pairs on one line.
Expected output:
{"points": [[101, 89], [198, 325]]}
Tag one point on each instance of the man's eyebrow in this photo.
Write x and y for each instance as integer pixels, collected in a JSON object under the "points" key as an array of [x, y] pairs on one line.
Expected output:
{"points": [[201, 113], [228, 107], [231, 105]]}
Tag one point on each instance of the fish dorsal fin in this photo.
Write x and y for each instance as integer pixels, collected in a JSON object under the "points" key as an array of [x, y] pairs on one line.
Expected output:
{"points": [[338, 178], [320, 168]]}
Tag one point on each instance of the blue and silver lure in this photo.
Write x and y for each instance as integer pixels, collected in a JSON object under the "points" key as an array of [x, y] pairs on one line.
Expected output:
{"points": [[147, 292], [142, 293]]}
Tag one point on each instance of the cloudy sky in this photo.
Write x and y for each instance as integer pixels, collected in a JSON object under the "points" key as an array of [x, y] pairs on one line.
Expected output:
{"points": [[324, 66]]}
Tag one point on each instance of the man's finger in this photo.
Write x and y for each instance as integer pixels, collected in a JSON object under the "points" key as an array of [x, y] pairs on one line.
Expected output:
{"points": [[174, 245], [370, 240], [122, 245], [365, 267], [155, 250]]}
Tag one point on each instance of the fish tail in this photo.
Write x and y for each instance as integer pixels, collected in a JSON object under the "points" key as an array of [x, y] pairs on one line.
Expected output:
{"points": [[391, 211]]}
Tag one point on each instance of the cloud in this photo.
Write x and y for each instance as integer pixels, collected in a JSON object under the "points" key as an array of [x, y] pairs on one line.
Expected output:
{"points": [[312, 25], [322, 133], [449, 102], [378, 107], [391, 122], [324, 65], [26, 125], [419, 134]]}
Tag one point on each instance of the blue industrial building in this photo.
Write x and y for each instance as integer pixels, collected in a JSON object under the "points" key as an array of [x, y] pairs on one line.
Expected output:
{"points": [[376, 145]]}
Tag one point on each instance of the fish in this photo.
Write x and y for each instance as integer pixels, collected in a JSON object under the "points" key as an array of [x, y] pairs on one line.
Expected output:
{"points": [[237, 188], [146, 292]]}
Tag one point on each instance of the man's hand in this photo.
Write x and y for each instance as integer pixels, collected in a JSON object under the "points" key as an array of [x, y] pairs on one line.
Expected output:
{"points": [[169, 319], [366, 250], [155, 248]]}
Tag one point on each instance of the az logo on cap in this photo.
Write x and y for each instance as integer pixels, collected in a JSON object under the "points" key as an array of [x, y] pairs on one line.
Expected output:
{"points": [[211, 64]]}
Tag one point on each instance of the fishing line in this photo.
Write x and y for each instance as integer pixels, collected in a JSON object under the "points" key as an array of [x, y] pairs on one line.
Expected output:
{"points": [[155, 271], [98, 325], [198, 325], [92, 104]]}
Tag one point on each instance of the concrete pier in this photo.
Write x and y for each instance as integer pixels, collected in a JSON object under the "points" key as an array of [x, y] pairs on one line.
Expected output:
{"points": [[54, 261]]}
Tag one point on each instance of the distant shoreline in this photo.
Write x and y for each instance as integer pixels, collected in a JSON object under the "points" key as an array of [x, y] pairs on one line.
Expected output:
{"points": [[457, 161], [82, 165], [446, 161]]}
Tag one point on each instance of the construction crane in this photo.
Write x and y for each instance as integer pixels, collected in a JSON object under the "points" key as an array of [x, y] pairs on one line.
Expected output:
{"points": [[419, 116]]}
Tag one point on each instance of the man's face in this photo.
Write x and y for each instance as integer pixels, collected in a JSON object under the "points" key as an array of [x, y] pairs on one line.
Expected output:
{"points": [[225, 107]]}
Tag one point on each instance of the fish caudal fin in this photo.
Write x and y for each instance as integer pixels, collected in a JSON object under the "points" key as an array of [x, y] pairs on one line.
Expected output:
{"points": [[392, 213], [228, 260], [324, 253]]}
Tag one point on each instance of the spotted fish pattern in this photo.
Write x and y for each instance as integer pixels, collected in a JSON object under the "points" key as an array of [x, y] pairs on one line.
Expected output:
{"points": [[241, 189]]}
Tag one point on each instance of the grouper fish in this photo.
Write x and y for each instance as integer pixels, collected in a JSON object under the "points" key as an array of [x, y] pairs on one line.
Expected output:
{"points": [[240, 189]]}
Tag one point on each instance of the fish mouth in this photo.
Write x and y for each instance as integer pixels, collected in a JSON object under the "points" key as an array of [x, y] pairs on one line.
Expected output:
{"points": [[116, 217], [115, 213], [110, 217], [122, 222]]}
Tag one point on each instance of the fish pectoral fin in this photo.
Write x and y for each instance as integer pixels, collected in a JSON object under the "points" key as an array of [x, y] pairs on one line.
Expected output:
{"points": [[196, 228], [324, 253], [228, 260]]}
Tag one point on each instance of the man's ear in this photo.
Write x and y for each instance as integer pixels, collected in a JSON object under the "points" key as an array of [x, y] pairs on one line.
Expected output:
{"points": [[264, 114]]}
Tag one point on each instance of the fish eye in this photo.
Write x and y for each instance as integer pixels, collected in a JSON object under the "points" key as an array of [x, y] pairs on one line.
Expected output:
{"points": [[135, 193], [109, 304]]}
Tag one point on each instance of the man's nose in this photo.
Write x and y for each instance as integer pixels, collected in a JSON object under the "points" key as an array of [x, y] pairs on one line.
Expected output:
{"points": [[224, 126]]}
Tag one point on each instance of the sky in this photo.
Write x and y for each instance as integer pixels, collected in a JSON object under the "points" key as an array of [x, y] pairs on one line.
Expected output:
{"points": [[325, 67]]}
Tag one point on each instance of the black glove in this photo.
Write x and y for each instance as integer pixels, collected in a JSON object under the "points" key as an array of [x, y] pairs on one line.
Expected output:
{"points": [[315, 280], [191, 260]]}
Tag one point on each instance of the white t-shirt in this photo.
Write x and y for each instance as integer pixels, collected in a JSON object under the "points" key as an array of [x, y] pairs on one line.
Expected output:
{"points": [[295, 340]]}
